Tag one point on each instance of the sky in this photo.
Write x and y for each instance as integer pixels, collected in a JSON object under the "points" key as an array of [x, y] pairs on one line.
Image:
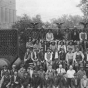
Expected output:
{"points": [[48, 9]]}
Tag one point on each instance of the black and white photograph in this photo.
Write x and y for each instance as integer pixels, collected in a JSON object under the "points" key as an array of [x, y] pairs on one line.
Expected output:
{"points": [[43, 43]]}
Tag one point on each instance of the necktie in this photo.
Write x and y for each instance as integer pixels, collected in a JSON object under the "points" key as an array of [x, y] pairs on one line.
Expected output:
{"points": [[60, 70]]}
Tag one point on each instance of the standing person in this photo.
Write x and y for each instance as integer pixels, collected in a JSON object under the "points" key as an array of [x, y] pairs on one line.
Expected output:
{"points": [[75, 35], [67, 35], [48, 57], [70, 74], [83, 37], [78, 57], [69, 57], [84, 82], [49, 36], [62, 57]]}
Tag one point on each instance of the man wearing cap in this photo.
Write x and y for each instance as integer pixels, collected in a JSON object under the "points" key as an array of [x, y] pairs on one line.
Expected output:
{"points": [[30, 71], [5, 80], [36, 80], [4, 70], [26, 81], [41, 75], [15, 80]]}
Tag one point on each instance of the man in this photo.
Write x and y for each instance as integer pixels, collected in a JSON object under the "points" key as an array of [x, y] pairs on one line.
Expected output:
{"points": [[26, 81], [49, 36], [70, 45], [34, 55], [84, 82], [15, 80], [70, 74], [53, 46], [4, 70], [83, 36], [13, 70], [64, 81], [60, 70], [62, 57], [36, 80], [5, 81], [69, 57], [75, 82], [50, 73], [61, 46], [41, 75], [78, 57], [81, 73], [48, 57], [75, 35], [27, 58]]}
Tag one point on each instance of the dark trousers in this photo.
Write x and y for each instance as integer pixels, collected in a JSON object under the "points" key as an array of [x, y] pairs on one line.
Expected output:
{"points": [[69, 81]]}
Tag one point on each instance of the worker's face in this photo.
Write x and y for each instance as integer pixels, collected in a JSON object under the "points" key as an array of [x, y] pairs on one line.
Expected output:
{"points": [[84, 77], [27, 50], [77, 49], [71, 67], [60, 66], [70, 50], [15, 73]]}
